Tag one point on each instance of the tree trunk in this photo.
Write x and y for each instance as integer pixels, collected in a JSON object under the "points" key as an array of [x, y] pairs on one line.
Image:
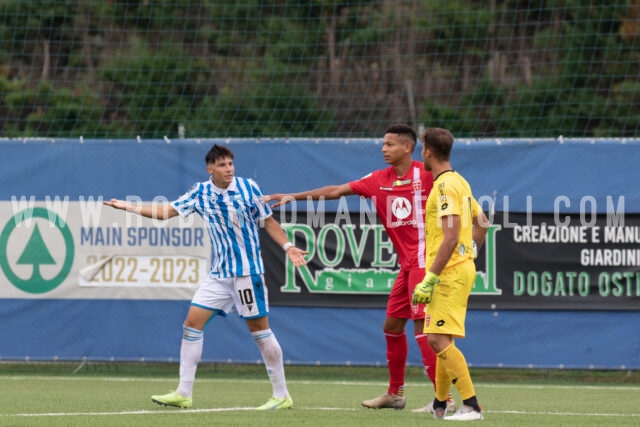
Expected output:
{"points": [[334, 63], [46, 60]]}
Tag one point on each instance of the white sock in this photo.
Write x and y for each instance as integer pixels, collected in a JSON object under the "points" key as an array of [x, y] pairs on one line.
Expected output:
{"points": [[272, 356], [190, 353]]}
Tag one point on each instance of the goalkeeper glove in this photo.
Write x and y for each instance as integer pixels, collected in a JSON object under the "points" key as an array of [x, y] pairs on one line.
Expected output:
{"points": [[424, 290], [475, 249]]}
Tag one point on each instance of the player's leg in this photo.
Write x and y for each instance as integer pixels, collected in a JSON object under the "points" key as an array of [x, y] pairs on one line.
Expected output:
{"points": [[447, 313], [429, 357], [211, 298], [417, 314], [190, 353], [427, 353], [251, 300], [453, 369], [398, 313], [396, 353], [191, 347]]}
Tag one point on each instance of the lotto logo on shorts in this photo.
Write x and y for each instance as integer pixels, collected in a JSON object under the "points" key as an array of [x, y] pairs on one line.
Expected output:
{"points": [[427, 320]]}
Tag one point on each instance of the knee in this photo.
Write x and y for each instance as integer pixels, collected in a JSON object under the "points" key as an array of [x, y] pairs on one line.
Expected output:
{"points": [[438, 342], [392, 324]]}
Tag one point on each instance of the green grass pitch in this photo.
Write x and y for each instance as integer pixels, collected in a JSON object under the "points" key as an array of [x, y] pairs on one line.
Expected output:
{"points": [[119, 395]]}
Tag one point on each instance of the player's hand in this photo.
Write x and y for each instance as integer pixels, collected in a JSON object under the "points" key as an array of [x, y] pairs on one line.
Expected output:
{"points": [[423, 291], [280, 199], [115, 203], [296, 255]]}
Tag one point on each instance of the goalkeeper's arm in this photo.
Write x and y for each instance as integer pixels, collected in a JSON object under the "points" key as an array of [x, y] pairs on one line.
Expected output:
{"points": [[451, 231], [424, 290], [480, 227]]}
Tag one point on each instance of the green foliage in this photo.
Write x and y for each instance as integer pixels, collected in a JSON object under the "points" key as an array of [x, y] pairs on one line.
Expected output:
{"points": [[122, 68], [158, 90], [456, 27], [270, 110], [46, 111], [623, 111]]}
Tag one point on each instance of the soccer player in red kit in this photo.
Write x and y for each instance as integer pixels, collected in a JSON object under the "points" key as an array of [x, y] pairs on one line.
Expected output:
{"points": [[399, 193]]}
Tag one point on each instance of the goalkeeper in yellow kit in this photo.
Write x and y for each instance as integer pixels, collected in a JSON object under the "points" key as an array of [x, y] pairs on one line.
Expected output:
{"points": [[455, 224]]}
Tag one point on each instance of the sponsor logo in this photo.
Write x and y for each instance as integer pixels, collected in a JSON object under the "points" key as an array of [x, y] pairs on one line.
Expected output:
{"points": [[401, 207], [35, 253], [400, 183]]}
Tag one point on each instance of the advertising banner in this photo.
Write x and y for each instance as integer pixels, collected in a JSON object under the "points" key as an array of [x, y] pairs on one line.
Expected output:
{"points": [[84, 250], [529, 261], [63, 249]]}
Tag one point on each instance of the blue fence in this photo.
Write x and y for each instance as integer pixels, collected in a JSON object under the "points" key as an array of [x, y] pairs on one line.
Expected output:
{"points": [[516, 175]]}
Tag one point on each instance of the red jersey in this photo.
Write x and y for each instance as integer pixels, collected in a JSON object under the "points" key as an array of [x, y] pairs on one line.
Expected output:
{"points": [[400, 202]]}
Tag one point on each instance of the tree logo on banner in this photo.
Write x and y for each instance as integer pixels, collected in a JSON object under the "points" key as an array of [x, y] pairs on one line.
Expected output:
{"points": [[34, 253]]}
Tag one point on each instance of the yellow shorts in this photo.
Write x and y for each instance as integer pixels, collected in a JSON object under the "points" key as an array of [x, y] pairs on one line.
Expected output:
{"points": [[447, 310]]}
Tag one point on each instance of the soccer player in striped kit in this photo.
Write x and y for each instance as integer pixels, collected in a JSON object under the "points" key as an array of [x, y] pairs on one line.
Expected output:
{"points": [[399, 193], [231, 209]]}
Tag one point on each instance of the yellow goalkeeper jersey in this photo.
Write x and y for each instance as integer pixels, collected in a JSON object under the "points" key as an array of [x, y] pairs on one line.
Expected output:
{"points": [[451, 195]]}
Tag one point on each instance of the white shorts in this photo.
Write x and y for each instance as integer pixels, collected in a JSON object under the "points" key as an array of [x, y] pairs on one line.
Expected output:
{"points": [[247, 294]]}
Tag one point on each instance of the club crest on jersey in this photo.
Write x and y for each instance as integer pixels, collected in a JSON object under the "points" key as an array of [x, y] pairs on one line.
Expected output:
{"points": [[417, 185]]}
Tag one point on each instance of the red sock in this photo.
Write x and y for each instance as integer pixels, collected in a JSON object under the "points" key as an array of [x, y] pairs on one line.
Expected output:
{"points": [[428, 357], [397, 351]]}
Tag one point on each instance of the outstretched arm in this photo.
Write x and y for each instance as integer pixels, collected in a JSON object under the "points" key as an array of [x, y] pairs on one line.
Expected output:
{"points": [[329, 192], [155, 211], [273, 229]]}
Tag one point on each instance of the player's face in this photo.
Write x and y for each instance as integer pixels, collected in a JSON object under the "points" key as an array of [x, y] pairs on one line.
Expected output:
{"points": [[426, 157], [222, 172], [395, 148]]}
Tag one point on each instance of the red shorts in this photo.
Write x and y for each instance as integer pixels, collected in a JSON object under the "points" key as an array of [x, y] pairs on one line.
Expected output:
{"points": [[399, 305]]}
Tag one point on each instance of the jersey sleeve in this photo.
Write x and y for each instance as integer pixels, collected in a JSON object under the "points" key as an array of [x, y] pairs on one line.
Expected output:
{"points": [[185, 205], [363, 186], [264, 210]]}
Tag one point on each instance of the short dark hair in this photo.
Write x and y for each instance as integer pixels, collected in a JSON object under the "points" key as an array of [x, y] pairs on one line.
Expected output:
{"points": [[403, 130], [439, 141], [216, 153]]}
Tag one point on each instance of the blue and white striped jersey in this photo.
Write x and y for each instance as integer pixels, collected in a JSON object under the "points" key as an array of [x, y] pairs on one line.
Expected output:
{"points": [[232, 217]]}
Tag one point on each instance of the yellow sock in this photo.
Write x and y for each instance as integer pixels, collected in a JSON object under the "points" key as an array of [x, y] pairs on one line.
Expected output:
{"points": [[443, 383], [457, 371]]}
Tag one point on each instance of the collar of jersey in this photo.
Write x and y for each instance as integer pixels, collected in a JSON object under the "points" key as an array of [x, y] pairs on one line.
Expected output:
{"points": [[232, 188]]}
